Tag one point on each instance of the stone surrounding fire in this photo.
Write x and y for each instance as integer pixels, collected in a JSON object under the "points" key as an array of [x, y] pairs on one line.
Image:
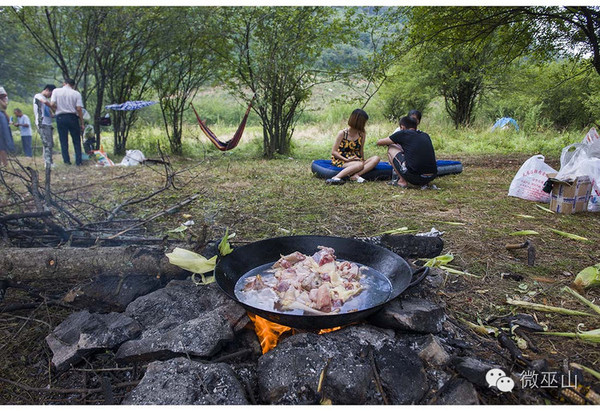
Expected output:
{"points": [[200, 347]]}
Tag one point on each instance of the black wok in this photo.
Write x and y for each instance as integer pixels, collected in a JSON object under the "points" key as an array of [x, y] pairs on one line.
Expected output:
{"points": [[243, 259]]}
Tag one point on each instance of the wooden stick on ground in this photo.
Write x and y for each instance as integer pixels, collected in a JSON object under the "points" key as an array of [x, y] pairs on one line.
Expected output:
{"points": [[159, 214]]}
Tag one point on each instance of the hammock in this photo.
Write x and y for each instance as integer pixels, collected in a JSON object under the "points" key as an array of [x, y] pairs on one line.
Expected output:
{"points": [[227, 145]]}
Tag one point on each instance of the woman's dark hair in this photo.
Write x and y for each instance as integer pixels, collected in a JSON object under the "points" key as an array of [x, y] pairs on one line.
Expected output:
{"points": [[358, 119], [416, 114]]}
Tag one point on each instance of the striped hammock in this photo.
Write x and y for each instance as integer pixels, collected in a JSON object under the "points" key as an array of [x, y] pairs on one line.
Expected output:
{"points": [[227, 145]]}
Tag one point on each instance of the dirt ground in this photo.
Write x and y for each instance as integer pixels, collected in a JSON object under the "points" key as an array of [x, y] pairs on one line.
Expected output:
{"points": [[259, 199]]}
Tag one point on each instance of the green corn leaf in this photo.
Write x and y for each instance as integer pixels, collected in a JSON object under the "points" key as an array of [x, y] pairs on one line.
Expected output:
{"points": [[525, 216], [224, 246], [449, 222], [545, 308], [588, 277], [569, 235], [525, 232], [595, 373], [204, 280], [401, 230], [545, 209], [439, 260], [592, 336], [457, 272], [179, 229], [581, 298]]}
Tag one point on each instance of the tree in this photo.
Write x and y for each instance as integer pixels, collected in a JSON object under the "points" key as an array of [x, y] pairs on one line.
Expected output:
{"points": [[66, 35], [22, 66], [129, 40], [461, 71], [539, 30], [273, 54], [406, 87], [186, 62]]}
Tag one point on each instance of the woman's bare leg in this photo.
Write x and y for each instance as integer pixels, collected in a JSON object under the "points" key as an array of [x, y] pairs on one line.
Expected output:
{"points": [[368, 165], [350, 168]]}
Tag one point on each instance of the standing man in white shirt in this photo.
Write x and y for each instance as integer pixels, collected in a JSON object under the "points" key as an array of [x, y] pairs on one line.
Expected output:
{"points": [[68, 105], [22, 121], [43, 121]]}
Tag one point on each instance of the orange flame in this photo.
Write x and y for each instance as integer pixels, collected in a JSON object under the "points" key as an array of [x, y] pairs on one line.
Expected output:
{"points": [[268, 332]]}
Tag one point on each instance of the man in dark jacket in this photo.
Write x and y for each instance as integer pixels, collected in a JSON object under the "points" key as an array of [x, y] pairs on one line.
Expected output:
{"points": [[411, 154]]}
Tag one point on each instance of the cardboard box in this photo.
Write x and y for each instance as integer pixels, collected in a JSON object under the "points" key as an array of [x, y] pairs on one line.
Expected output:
{"points": [[569, 197]]}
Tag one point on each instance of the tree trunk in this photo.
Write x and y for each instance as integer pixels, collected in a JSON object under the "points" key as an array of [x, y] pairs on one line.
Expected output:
{"points": [[70, 262]]}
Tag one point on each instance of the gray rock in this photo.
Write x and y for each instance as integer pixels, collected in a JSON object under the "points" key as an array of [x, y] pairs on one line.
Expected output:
{"points": [[436, 278], [112, 292], [182, 318], [473, 370], [82, 334], [180, 381], [402, 374], [433, 352], [410, 314], [411, 246], [290, 373], [458, 392], [202, 337]]}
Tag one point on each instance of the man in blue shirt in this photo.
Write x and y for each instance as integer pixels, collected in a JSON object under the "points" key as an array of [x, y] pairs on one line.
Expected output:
{"points": [[411, 153]]}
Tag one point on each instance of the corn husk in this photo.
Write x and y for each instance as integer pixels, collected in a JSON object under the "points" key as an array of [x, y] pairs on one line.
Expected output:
{"points": [[439, 260], [480, 328], [525, 232], [449, 222], [401, 230], [191, 261], [581, 298], [224, 246], [545, 308], [457, 272], [525, 216], [569, 235], [592, 336], [179, 229], [594, 373], [545, 209], [588, 277]]}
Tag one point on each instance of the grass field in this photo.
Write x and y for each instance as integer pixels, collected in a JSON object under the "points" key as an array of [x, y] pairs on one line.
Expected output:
{"points": [[259, 199]]}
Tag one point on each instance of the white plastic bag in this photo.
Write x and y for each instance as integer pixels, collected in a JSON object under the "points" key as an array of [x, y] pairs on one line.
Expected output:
{"points": [[530, 179], [132, 158], [591, 136]]}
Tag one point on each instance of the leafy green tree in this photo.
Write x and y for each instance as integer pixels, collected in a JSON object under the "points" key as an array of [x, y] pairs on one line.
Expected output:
{"points": [[128, 40], [273, 54], [406, 88], [186, 62], [65, 34], [560, 94], [535, 31], [22, 66]]}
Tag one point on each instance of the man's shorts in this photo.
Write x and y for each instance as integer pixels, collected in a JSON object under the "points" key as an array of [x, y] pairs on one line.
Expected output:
{"points": [[416, 179]]}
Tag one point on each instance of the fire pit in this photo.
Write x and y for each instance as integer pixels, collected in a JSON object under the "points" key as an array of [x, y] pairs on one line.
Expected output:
{"points": [[233, 266]]}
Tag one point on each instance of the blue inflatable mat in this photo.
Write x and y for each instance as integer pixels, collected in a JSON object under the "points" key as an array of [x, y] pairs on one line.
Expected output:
{"points": [[383, 171]]}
